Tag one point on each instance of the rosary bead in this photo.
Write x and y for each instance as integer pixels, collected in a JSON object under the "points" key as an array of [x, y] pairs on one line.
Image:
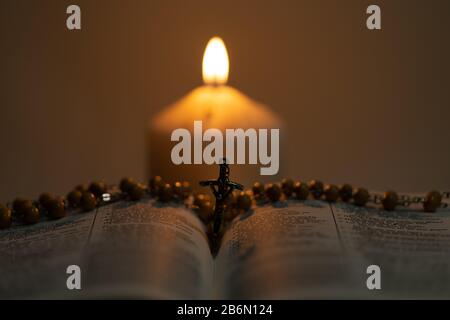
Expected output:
{"points": [[98, 188], [45, 199], [156, 181], [361, 197], [126, 184], [88, 201], [244, 201], [316, 188], [273, 192], [187, 190], [19, 204], [74, 198], [232, 208], [390, 200], [30, 214], [136, 192], [155, 184], [206, 211], [346, 192], [301, 190], [258, 189], [56, 208], [331, 193], [199, 198], [165, 193], [432, 201], [5, 217], [287, 185], [181, 189], [178, 189], [231, 201]]}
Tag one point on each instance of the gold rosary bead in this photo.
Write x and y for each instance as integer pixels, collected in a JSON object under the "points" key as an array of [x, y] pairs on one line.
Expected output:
{"points": [[199, 198], [98, 188], [432, 201], [165, 193], [361, 197], [287, 185], [181, 189], [126, 184], [45, 199], [74, 198], [316, 188], [273, 192], [187, 190], [178, 189], [56, 208], [206, 211], [231, 209], [301, 190], [5, 217], [30, 214], [258, 190], [230, 202], [346, 192], [82, 187], [244, 201], [19, 204], [88, 201], [155, 184], [331, 193], [389, 200], [136, 192]]}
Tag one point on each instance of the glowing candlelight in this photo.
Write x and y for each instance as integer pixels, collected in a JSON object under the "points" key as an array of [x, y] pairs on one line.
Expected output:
{"points": [[218, 106], [216, 64]]}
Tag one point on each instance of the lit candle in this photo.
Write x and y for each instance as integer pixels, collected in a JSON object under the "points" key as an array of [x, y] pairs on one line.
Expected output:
{"points": [[218, 106]]}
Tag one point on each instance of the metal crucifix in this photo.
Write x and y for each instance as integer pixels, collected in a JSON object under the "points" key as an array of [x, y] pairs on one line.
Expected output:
{"points": [[221, 188]]}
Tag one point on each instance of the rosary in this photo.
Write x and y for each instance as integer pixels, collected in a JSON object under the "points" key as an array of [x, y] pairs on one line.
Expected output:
{"points": [[221, 188], [229, 202]]}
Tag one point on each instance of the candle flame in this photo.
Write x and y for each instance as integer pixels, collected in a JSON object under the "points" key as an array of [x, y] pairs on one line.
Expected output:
{"points": [[215, 62]]}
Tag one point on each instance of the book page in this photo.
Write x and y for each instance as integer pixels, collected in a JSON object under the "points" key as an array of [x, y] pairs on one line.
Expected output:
{"points": [[34, 259], [317, 250], [282, 252], [148, 250], [126, 250], [412, 249]]}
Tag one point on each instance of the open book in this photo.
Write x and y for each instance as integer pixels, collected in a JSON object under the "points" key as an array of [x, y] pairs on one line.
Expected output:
{"points": [[293, 249]]}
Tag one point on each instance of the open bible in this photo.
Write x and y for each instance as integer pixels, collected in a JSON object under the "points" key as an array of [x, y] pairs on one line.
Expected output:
{"points": [[287, 250]]}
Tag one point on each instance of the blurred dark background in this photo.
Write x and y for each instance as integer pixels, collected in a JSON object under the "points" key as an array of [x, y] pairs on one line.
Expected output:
{"points": [[366, 107]]}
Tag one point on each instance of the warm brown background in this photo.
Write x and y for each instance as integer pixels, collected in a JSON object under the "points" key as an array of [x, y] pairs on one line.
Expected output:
{"points": [[370, 108]]}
